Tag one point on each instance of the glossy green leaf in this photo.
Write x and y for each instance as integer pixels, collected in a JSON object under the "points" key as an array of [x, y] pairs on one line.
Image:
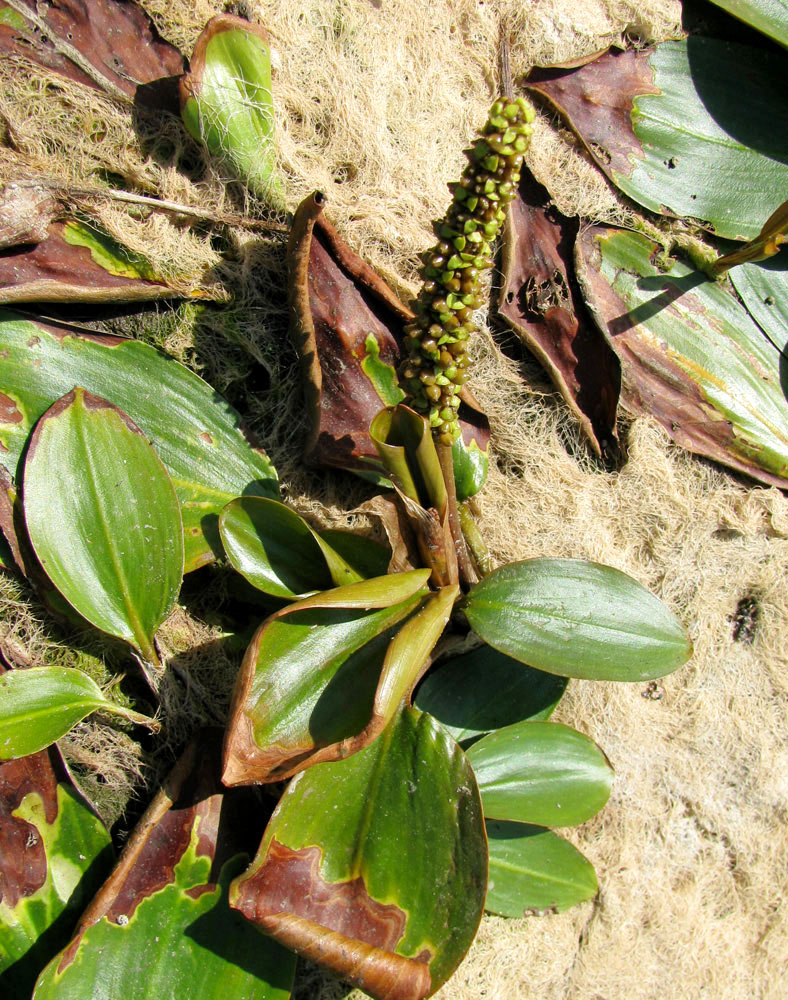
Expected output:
{"points": [[319, 679], [541, 773], [577, 619], [276, 550], [38, 705], [226, 101], [54, 854], [768, 16], [533, 870], [161, 926], [712, 147], [103, 518], [407, 451], [763, 289], [484, 690], [766, 244], [196, 433], [691, 357], [367, 558], [471, 465], [376, 865]]}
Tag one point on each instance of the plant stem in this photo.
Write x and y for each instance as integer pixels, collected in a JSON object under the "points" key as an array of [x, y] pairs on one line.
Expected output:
{"points": [[157, 204], [474, 540], [467, 571]]}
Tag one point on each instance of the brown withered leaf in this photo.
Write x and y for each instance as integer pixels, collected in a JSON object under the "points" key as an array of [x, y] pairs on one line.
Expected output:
{"points": [[346, 325], [541, 302], [54, 850], [596, 100], [110, 45], [171, 880], [57, 269]]}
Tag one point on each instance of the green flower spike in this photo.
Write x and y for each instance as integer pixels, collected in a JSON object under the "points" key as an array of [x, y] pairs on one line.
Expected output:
{"points": [[437, 364]]}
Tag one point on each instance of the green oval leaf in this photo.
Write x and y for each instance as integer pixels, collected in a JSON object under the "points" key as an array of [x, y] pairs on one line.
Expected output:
{"points": [[376, 865], [38, 705], [577, 619], [103, 518], [54, 854], [541, 773], [195, 432], [533, 870], [226, 101], [485, 690], [679, 127], [319, 679], [276, 550]]}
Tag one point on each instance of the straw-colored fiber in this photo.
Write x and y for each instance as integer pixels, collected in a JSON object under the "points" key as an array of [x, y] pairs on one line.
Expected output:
{"points": [[375, 100]]}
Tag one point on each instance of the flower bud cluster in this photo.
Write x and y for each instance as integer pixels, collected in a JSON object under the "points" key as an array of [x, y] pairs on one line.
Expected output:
{"points": [[436, 366]]}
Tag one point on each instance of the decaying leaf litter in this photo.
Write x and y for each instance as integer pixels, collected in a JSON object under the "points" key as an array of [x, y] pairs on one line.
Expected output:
{"points": [[705, 779]]}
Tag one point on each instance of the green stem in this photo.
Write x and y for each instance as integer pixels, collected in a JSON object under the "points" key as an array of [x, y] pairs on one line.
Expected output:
{"points": [[474, 540]]}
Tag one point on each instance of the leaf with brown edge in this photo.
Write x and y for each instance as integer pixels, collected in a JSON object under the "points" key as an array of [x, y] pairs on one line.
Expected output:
{"points": [[346, 325], [197, 434], [691, 356], [322, 677], [676, 127], [541, 302], [54, 852], [376, 866], [167, 897], [110, 45], [78, 261]]}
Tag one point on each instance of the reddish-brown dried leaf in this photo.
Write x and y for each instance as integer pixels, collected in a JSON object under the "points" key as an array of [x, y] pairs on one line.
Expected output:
{"points": [[596, 100], [56, 271], [110, 45], [337, 924], [541, 302], [336, 303], [23, 862], [192, 795]]}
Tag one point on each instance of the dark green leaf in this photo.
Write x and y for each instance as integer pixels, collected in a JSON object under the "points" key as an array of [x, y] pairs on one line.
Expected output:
{"points": [[470, 467], [38, 705], [768, 16], [322, 677], [195, 432], [226, 101], [103, 518], [367, 557], [54, 854], [161, 926], [533, 870], [485, 690], [376, 865], [541, 773], [691, 357], [277, 551], [577, 619]]}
